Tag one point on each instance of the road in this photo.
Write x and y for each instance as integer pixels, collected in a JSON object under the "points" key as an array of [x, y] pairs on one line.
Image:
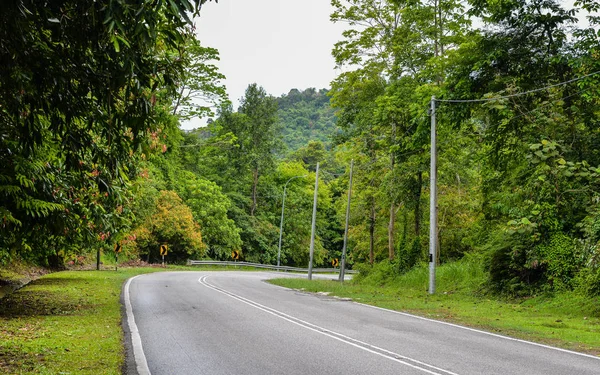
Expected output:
{"points": [[236, 323]]}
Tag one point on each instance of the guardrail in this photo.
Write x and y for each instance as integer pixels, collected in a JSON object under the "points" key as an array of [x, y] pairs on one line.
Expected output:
{"points": [[266, 266]]}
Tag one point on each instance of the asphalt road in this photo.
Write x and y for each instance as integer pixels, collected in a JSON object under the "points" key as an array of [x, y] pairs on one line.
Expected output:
{"points": [[236, 323]]}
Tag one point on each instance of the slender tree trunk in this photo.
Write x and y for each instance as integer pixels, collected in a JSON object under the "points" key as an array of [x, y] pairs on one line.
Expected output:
{"points": [[391, 231], [372, 232], [176, 107], [441, 28], [393, 205], [254, 185], [418, 204], [435, 27]]}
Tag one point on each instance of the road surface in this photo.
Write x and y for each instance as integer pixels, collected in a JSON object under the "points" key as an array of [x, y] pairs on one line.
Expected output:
{"points": [[236, 323]]}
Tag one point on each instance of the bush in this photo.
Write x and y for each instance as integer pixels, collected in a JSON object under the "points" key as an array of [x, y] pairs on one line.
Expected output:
{"points": [[559, 256], [588, 282], [512, 269], [171, 223], [378, 274]]}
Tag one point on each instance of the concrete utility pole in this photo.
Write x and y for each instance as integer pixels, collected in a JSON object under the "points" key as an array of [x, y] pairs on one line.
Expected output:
{"points": [[314, 225], [343, 263], [281, 223], [433, 201]]}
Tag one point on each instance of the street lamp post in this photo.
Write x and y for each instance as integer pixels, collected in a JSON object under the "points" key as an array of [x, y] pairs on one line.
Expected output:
{"points": [[281, 223]]}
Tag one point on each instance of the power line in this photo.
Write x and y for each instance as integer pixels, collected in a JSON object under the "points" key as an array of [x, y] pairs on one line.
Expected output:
{"points": [[517, 94]]}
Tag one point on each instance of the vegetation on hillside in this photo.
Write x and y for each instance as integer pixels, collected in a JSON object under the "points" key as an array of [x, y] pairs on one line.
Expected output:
{"points": [[306, 116]]}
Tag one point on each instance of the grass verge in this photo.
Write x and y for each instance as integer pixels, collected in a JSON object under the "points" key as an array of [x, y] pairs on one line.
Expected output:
{"points": [[565, 320], [65, 323], [69, 322]]}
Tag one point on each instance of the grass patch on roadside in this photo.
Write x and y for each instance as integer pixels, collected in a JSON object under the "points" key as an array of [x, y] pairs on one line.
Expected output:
{"points": [[65, 323], [70, 322], [566, 320]]}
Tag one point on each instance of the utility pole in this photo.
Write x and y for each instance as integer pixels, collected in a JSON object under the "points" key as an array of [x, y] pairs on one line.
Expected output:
{"points": [[281, 223], [314, 225], [433, 201], [343, 264]]}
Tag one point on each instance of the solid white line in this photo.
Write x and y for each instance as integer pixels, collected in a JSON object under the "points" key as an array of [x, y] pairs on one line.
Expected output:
{"points": [[332, 334], [480, 331], [136, 340]]}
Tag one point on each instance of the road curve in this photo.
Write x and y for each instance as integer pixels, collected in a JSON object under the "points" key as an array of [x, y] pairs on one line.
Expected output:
{"points": [[235, 323]]}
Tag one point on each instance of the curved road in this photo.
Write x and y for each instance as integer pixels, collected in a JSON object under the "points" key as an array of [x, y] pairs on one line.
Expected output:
{"points": [[235, 323]]}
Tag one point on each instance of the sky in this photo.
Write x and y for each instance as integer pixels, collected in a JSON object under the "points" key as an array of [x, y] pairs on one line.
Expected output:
{"points": [[278, 44]]}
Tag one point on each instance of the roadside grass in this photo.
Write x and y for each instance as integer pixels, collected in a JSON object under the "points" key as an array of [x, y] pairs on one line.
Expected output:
{"points": [[65, 323], [69, 322], [567, 320]]}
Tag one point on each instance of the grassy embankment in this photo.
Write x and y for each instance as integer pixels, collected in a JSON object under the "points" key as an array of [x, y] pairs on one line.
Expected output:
{"points": [[568, 320], [64, 323], [67, 322]]}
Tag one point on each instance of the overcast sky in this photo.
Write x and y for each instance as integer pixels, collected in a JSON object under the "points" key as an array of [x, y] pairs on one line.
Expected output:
{"points": [[278, 44]]}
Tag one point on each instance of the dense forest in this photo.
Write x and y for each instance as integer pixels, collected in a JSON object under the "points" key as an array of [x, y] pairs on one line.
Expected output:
{"points": [[306, 116], [91, 153]]}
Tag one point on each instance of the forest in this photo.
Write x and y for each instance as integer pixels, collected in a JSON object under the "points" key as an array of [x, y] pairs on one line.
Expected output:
{"points": [[92, 94]]}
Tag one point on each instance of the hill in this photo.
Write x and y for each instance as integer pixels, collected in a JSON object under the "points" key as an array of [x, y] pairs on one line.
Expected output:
{"points": [[306, 116]]}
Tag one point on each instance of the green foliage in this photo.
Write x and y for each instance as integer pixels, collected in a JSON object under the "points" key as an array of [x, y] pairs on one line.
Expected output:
{"points": [[588, 282], [516, 175], [170, 223], [200, 88], [306, 116], [82, 88], [209, 207], [560, 256]]}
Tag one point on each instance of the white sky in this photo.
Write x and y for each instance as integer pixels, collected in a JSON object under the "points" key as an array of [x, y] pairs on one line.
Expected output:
{"points": [[278, 44]]}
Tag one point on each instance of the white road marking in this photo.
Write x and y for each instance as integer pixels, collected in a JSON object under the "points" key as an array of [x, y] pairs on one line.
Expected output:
{"points": [[136, 341], [416, 364], [480, 331]]}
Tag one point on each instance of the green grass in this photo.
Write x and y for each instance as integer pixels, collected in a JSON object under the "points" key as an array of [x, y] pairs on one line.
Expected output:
{"points": [[69, 322], [566, 320], [64, 323]]}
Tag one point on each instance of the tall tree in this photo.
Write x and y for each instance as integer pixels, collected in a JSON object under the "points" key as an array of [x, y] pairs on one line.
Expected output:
{"points": [[200, 89], [261, 136], [78, 90]]}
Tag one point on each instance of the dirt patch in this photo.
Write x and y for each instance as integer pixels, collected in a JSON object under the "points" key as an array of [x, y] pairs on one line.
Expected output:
{"points": [[139, 263], [16, 276], [15, 361]]}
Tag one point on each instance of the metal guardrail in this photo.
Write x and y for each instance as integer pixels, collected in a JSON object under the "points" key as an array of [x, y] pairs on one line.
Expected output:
{"points": [[266, 266]]}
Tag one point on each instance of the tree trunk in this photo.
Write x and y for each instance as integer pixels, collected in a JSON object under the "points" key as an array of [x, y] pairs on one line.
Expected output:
{"points": [[391, 231], [176, 106], [372, 232], [418, 204], [254, 185], [393, 205]]}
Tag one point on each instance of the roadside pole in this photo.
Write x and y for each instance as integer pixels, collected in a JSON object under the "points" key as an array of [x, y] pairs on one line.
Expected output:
{"points": [[343, 263], [164, 249], [314, 224], [433, 201]]}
